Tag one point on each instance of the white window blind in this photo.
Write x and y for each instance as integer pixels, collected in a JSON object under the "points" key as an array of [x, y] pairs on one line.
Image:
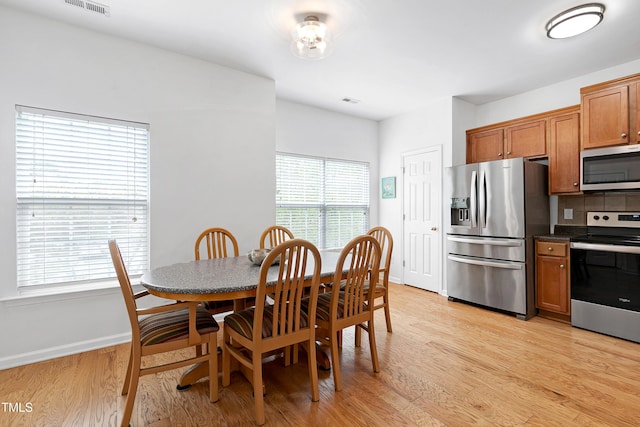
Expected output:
{"points": [[325, 201], [80, 181]]}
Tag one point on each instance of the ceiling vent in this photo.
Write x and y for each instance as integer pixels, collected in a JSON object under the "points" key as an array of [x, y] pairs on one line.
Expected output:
{"points": [[91, 6]]}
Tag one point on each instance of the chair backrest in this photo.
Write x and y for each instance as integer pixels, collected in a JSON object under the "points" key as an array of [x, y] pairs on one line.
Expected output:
{"points": [[298, 258], [217, 242], [383, 236], [362, 256], [125, 287], [276, 234]]}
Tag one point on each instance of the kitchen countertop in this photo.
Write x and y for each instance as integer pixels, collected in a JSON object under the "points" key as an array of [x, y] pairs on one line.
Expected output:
{"points": [[563, 233]]}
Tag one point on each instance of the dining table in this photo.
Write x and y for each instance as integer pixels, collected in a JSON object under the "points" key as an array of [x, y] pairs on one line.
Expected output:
{"points": [[219, 279]]}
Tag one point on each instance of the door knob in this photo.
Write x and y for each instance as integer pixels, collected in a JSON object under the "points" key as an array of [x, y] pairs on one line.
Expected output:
{"points": [[561, 265], [575, 184], [623, 135], [434, 228], [499, 154], [508, 152]]}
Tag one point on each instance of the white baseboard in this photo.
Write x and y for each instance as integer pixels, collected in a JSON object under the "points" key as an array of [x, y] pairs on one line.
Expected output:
{"points": [[63, 350]]}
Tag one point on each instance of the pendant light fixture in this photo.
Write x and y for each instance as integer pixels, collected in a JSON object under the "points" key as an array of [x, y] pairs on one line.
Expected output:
{"points": [[311, 39], [574, 21]]}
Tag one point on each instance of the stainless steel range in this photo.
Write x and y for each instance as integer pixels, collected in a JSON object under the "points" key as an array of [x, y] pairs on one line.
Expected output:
{"points": [[605, 275]]}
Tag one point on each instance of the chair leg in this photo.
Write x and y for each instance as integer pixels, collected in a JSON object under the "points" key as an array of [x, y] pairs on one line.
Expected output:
{"points": [[387, 313], [226, 360], [358, 335], [335, 361], [287, 355], [372, 344], [131, 394], [127, 378], [213, 368], [313, 369], [258, 396]]}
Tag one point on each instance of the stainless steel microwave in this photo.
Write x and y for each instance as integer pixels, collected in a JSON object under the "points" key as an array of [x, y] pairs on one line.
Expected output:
{"points": [[611, 168]]}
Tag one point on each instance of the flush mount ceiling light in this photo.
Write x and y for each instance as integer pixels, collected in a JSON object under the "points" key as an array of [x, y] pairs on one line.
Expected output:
{"points": [[311, 39], [575, 21]]}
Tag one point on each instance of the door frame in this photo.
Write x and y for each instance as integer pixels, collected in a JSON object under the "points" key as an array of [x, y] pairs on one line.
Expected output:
{"points": [[431, 148]]}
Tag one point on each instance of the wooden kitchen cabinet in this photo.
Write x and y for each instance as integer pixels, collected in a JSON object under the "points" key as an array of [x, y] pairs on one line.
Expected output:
{"points": [[610, 113], [552, 280], [485, 145], [564, 153], [525, 137]]}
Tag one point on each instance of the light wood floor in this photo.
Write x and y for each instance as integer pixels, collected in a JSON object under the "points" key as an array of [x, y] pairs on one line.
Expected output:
{"points": [[445, 363]]}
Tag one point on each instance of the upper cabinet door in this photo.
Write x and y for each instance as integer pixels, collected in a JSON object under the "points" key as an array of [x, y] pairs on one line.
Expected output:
{"points": [[605, 117], [485, 146], [527, 140], [564, 154]]}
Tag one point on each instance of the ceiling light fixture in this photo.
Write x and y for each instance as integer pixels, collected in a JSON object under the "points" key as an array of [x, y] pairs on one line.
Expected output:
{"points": [[574, 21], [311, 39]]}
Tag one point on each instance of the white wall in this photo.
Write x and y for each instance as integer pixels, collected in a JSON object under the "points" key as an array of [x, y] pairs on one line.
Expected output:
{"points": [[427, 127], [302, 129], [212, 151], [559, 95]]}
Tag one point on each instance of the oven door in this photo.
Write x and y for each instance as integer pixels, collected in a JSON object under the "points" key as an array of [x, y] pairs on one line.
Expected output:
{"points": [[605, 274]]}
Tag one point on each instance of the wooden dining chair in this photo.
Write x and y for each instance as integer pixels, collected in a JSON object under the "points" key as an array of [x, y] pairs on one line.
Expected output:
{"points": [[349, 305], [164, 329], [276, 234], [278, 321], [385, 240], [216, 242], [219, 243]]}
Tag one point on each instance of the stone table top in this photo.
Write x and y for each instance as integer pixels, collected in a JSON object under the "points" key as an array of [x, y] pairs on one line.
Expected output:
{"points": [[220, 278]]}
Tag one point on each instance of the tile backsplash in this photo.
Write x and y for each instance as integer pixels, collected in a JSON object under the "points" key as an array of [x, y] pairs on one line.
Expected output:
{"points": [[581, 204]]}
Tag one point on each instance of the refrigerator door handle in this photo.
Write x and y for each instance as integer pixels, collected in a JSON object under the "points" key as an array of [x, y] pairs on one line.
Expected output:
{"points": [[486, 263], [492, 242], [483, 200], [474, 202]]}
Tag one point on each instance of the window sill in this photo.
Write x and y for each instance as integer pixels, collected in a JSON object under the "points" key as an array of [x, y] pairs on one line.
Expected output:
{"points": [[28, 296]]}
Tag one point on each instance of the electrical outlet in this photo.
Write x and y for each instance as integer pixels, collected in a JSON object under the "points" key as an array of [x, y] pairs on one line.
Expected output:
{"points": [[568, 214]]}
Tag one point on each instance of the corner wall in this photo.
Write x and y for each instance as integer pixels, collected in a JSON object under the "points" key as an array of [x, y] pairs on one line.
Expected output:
{"points": [[211, 130]]}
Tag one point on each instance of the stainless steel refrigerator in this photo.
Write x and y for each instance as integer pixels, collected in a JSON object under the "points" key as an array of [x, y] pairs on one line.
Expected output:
{"points": [[496, 209]]}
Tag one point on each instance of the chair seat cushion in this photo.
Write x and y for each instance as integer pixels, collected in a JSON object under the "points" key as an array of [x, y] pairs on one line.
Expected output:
{"points": [[242, 322], [174, 325], [379, 290], [323, 309]]}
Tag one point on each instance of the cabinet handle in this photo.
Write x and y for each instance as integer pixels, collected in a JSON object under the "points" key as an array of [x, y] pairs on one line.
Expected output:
{"points": [[550, 249], [639, 132], [575, 184], [499, 154], [434, 228], [623, 135], [508, 152], [561, 265]]}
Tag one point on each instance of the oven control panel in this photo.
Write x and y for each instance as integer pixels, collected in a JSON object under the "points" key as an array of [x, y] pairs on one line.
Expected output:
{"points": [[614, 219]]}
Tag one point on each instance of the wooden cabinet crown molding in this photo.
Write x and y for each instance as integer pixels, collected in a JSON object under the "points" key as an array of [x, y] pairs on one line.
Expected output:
{"points": [[525, 119]]}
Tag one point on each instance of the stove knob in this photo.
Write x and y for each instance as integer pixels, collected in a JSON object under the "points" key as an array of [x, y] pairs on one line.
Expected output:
{"points": [[596, 217], [606, 218]]}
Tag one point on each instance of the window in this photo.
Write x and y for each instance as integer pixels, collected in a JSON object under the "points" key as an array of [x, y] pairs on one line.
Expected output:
{"points": [[80, 181], [325, 201]]}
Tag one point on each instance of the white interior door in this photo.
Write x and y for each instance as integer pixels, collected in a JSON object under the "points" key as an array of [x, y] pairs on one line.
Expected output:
{"points": [[422, 211]]}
